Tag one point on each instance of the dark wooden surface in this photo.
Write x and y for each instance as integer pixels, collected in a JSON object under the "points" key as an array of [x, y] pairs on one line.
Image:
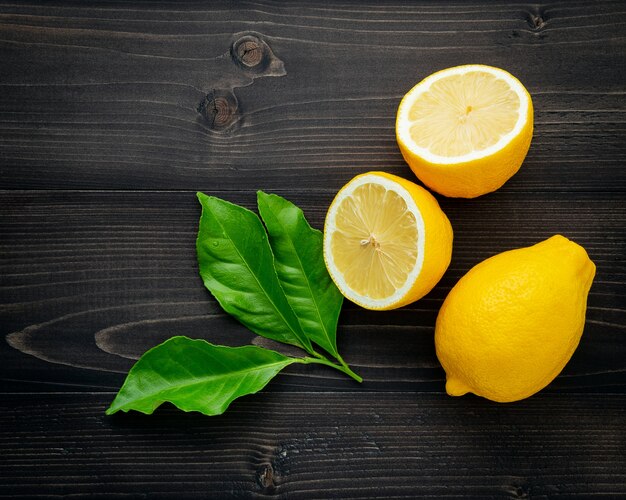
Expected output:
{"points": [[113, 114]]}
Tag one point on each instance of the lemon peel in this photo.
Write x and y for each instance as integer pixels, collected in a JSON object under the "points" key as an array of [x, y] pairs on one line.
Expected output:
{"points": [[511, 324]]}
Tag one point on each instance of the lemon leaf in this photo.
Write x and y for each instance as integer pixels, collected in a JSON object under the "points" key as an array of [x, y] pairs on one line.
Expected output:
{"points": [[195, 375], [237, 266], [299, 262]]}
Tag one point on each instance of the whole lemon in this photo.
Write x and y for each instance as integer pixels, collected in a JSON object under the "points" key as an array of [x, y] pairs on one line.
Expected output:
{"points": [[511, 324]]}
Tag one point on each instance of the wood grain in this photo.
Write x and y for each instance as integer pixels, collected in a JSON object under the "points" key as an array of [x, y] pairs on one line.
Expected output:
{"points": [[113, 114], [104, 96], [312, 445]]}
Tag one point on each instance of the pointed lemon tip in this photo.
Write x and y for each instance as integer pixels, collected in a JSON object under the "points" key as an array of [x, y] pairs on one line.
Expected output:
{"points": [[569, 249], [454, 387]]}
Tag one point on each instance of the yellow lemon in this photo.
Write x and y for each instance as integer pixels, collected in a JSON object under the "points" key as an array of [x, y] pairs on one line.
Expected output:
{"points": [[386, 241], [511, 324], [464, 131]]}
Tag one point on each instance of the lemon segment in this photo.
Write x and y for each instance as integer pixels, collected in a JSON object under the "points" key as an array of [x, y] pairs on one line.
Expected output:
{"points": [[464, 131], [376, 241]]}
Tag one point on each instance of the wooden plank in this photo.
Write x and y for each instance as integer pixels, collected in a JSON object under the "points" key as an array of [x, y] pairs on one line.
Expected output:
{"points": [[314, 445], [107, 96], [90, 280]]}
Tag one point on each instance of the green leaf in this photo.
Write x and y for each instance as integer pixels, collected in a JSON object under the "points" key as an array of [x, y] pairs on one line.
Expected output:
{"points": [[197, 376], [237, 266], [299, 263]]}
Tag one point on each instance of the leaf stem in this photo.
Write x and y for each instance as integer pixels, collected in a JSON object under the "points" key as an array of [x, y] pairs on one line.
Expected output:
{"points": [[348, 370], [321, 360]]}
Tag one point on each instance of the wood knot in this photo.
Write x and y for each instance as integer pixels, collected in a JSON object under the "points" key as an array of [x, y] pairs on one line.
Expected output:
{"points": [[220, 109], [265, 478], [518, 489], [249, 51], [252, 54], [536, 21]]}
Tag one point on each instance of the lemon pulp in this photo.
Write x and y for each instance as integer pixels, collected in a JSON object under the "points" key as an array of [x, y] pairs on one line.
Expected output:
{"points": [[461, 114], [375, 241]]}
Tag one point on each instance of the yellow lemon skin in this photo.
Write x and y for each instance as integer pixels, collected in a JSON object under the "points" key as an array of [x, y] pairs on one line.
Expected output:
{"points": [[511, 324], [472, 178]]}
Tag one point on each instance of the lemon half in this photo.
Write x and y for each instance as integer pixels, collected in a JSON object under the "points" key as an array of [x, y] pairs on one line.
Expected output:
{"points": [[464, 131], [386, 241]]}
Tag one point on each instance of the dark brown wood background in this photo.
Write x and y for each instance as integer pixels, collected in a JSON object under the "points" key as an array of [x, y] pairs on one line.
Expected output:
{"points": [[112, 116]]}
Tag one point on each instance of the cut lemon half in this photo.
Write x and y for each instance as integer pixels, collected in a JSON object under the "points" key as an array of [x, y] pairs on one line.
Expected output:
{"points": [[465, 131], [386, 241]]}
